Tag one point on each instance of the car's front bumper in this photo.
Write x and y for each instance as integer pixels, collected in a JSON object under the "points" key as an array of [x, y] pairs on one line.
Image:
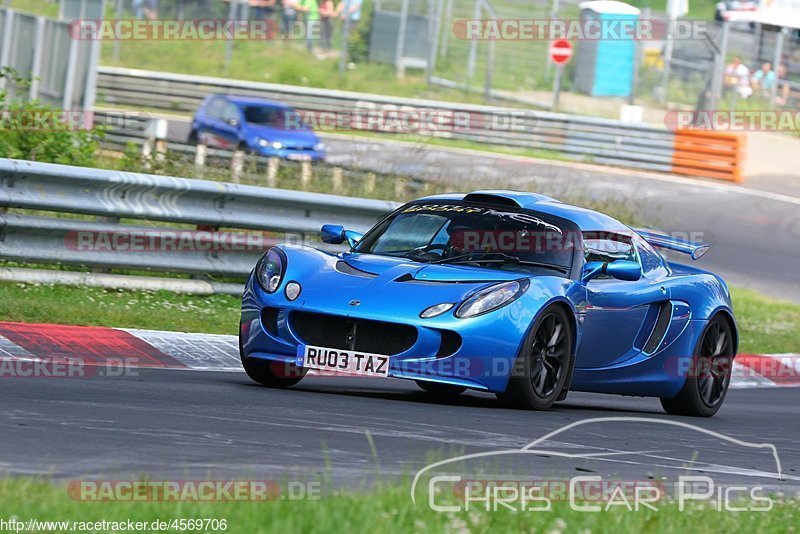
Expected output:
{"points": [[488, 344], [292, 154]]}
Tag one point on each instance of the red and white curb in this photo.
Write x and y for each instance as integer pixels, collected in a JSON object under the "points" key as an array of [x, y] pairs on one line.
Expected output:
{"points": [[97, 345]]}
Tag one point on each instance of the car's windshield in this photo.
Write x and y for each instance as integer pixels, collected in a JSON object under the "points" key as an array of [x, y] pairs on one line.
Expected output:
{"points": [[454, 233]]}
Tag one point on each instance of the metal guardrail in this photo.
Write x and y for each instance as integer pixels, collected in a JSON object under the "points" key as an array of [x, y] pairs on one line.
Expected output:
{"points": [[589, 138], [188, 203]]}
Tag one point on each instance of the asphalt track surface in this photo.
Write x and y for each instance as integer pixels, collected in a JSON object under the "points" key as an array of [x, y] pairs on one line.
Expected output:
{"points": [[169, 424], [754, 229]]}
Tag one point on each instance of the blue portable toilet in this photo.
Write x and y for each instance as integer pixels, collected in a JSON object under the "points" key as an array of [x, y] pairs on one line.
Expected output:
{"points": [[605, 67]]}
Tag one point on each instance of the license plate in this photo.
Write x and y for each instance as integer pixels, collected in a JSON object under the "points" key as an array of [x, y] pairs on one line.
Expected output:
{"points": [[343, 361], [299, 157]]}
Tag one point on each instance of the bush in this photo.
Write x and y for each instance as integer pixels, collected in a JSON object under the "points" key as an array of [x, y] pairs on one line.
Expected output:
{"points": [[53, 139]]}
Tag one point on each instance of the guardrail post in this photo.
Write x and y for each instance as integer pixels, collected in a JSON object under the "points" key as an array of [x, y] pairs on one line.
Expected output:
{"points": [[272, 171], [337, 179], [305, 174], [237, 166]]}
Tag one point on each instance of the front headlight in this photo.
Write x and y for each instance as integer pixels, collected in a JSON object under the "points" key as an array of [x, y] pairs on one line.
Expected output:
{"points": [[491, 298], [263, 142], [270, 269], [277, 145], [319, 147]]}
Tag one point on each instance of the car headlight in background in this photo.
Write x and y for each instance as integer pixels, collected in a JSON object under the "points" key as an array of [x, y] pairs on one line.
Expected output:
{"points": [[319, 147], [491, 298], [270, 269], [436, 309]]}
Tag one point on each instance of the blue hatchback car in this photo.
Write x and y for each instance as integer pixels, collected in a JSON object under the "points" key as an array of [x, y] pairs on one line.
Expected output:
{"points": [[260, 126]]}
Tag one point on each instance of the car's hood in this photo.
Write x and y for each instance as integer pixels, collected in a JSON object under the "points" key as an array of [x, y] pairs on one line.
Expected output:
{"points": [[426, 271], [382, 286], [289, 138]]}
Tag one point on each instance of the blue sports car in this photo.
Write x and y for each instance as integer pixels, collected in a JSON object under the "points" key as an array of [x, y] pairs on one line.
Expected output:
{"points": [[507, 292]]}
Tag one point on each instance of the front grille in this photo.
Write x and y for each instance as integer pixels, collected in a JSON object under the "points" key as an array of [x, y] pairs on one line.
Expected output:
{"points": [[336, 332], [269, 318], [451, 342]]}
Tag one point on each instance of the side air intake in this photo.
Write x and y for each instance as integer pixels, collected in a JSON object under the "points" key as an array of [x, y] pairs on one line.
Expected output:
{"points": [[660, 328]]}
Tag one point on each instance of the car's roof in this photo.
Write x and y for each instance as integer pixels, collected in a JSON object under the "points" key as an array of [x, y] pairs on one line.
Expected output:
{"points": [[587, 220], [252, 101]]}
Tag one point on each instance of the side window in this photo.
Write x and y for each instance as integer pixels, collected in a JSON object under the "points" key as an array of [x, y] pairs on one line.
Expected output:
{"points": [[608, 247], [231, 112], [215, 108]]}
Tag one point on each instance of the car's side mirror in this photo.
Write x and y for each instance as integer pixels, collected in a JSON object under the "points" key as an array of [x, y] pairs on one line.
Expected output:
{"points": [[628, 271], [233, 121], [335, 234]]}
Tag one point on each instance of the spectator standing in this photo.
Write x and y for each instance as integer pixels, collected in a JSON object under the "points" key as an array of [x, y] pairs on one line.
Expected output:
{"points": [[264, 10], [145, 9], [764, 79], [782, 96], [310, 11], [288, 17], [327, 12], [737, 78], [351, 8]]}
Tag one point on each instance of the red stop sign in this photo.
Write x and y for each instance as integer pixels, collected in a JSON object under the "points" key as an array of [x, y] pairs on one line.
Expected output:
{"points": [[560, 51]]}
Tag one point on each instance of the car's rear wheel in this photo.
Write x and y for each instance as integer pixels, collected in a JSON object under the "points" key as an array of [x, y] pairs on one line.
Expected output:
{"points": [[543, 366], [709, 375], [271, 373], [436, 388]]}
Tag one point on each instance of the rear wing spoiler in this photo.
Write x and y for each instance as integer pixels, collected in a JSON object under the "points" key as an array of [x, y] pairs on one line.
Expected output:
{"points": [[694, 250]]}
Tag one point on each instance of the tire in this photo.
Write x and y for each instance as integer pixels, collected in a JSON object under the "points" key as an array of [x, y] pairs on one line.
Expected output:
{"points": [[445, 390], [271, 373], [544, 364], [192, 139], [710, 374]]}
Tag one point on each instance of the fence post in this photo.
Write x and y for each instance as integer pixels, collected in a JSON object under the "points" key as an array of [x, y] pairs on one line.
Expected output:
{"points": [[473, 44], [401, 40], [345, 53], [237, 165], [305, 174], [433, 44], [272, 171], [776, 61], [38, 54], [200, 159], [400, 187], [5, 44], [337, 178], [487, 84], [370, 182]]}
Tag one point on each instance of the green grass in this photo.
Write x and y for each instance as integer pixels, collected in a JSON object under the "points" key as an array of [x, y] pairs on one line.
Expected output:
{"points": [[161, 310], [766, 325], [386, 508]]}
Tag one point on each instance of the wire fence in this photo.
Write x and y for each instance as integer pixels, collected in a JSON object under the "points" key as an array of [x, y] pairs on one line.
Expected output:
{"points": [[422, 38]]}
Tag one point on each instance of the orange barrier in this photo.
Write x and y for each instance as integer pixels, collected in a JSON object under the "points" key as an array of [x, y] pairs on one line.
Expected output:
{"points": [[709, 154]]}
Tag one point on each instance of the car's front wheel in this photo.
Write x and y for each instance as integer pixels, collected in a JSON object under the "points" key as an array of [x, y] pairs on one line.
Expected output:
{"points": [[709, 375], [271, 373], [543, 366]]}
